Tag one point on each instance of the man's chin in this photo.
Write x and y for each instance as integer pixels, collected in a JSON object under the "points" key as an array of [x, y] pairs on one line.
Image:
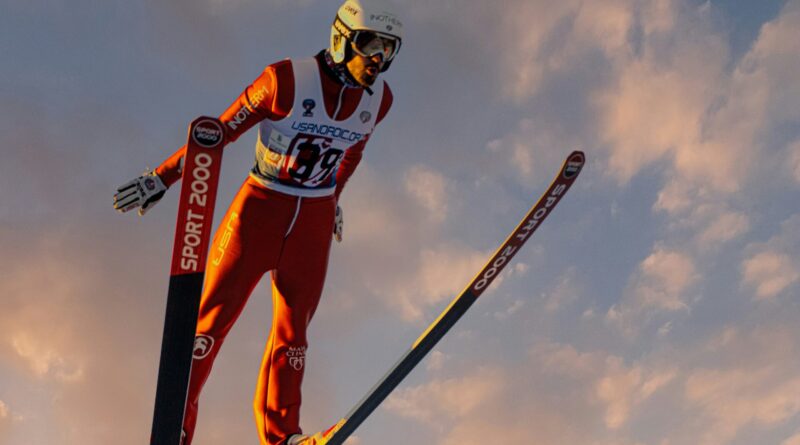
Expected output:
{"points": [[367, 81]]}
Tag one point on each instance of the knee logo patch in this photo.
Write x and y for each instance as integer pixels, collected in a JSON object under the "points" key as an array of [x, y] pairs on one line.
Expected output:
{"points": [[202, 346], [297, 357]]}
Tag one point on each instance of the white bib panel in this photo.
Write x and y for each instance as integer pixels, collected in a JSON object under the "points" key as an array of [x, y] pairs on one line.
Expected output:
{"points": [[300, 154]]}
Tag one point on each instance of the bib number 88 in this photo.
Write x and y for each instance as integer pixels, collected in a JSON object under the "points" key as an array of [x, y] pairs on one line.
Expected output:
{"points": [[311, 160]]}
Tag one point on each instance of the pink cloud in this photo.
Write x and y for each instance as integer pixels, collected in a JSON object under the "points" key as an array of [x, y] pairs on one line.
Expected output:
{"points": [[770, 273]]}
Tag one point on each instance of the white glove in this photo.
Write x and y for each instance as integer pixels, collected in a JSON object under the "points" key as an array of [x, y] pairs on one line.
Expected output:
{"points": [[338, 225], [143, 192]]}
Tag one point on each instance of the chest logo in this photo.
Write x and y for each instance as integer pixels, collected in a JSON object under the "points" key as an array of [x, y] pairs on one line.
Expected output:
{"points": [[309, 105]]}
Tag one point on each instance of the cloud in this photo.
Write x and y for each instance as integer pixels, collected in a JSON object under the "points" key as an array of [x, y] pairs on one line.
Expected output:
{"points": [[559, 358], [38, 321], [436, 360], [665, 92], [663, 278], [618, 387], [70, 328], [511, 310], [665, 329], [677, 67], [45, 360], [429, 189], [794, 440], [564, 394], [774, 61], [468, 408], [530, 151], [5, 421], [442, 272], [548, 408], [679, 102], [735, 398], [675, 197], [770, 273], [540, 39], [660, 284], [446, 399], [372, 202], [623, 388], [708, 121], [770, 268], [566, 291], [731, 394], [723, 227], [794, 160], [8, 418], [713, 222], [720, 394], [527, 53], [641, 134], [606, 25], [403, 253], [395, 239]]}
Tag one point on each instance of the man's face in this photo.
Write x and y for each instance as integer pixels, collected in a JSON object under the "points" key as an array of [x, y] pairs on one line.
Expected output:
{"points": [[365, 70]]}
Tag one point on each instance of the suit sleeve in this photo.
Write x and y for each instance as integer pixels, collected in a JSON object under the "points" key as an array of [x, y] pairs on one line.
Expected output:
{"points": [[354, 154], [257, 102]]}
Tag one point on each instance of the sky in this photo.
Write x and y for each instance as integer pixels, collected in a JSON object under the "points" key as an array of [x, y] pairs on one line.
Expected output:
{"points": [[657, 305]]}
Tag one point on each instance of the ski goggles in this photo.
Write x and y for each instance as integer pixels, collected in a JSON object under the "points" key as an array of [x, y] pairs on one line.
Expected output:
{"points": [[370, 44]]}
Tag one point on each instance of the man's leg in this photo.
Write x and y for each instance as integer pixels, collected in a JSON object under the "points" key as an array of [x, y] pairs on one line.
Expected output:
{"points": [[297, 287], [244, 248]]}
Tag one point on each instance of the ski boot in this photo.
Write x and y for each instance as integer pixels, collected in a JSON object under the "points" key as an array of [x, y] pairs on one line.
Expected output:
{"points": [[320, 438], [299, 439]]}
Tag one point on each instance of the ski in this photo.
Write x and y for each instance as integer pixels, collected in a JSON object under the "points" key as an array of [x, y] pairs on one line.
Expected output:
{"points": [[563, 181], [195, 217]]}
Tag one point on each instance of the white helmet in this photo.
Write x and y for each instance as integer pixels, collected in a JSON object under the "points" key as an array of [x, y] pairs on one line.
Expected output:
{"points": [[358, 23]]}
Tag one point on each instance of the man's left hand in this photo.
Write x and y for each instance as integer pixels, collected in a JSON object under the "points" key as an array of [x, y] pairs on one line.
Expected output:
{"points": [[338, 225]]}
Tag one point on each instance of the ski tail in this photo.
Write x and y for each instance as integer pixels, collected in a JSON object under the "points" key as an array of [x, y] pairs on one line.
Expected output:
{"points": [[195, 216], [425, 343]]}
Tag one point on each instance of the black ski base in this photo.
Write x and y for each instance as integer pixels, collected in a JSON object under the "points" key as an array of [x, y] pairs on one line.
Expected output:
{"points": [[183, 303]]}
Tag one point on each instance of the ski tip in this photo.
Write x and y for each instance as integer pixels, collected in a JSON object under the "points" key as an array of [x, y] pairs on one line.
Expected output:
{"points": [[573, 165]]}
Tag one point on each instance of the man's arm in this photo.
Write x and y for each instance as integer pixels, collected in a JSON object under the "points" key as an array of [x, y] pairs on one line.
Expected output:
{"points": [[352, 158], [353, 155], [259, 101], [270, 96]]}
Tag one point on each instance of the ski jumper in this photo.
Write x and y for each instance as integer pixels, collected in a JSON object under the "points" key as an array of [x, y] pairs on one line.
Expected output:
{"points": [[312, 133]]}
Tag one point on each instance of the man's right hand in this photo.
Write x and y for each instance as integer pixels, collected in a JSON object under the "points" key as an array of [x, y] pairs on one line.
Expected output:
{"points": [[143, 192]]}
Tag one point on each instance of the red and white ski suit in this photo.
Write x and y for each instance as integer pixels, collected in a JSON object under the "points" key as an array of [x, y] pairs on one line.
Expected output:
{"points": [[281, 221]]}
